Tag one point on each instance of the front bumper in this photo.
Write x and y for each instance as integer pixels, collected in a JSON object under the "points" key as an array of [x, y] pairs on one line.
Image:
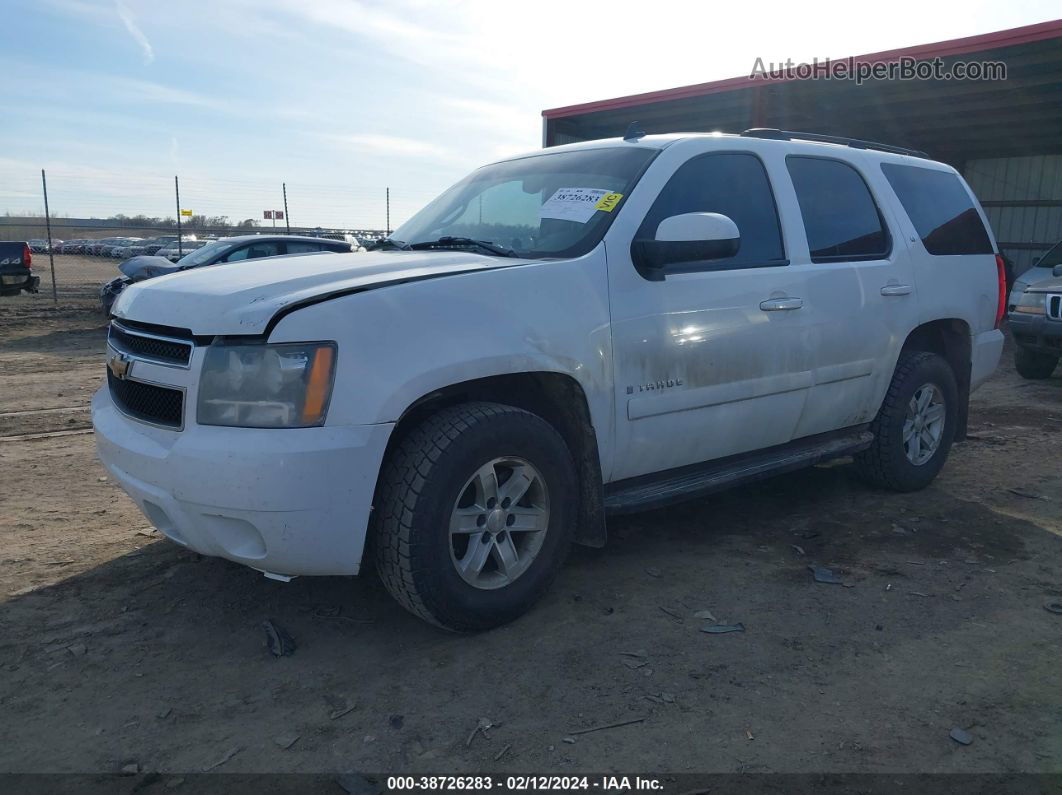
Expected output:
{"points": [[1036, 332], [289, 501]]}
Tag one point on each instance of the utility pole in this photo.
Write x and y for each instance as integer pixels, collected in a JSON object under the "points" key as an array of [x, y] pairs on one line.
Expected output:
{"points": [[177, 191], [388, 230], [287, 218], [48, 226]]}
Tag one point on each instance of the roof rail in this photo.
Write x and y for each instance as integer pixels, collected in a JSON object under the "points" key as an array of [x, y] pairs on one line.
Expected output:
{"points": [[855, 143]]}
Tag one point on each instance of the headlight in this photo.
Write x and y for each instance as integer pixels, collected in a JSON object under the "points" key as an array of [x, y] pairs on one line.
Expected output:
{"points": [[1031, 304], [266, 386]]}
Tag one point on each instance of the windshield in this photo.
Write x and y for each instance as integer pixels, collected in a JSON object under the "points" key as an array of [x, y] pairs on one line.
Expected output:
{"points": [[1051, 258], [203, 254], [551, 205]]}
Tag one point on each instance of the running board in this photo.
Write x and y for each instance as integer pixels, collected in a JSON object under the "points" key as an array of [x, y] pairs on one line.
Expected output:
{"points": [[689, 482]]}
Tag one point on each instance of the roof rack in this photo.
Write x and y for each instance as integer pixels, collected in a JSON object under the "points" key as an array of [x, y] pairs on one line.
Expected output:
{"points": [[855, 143]]}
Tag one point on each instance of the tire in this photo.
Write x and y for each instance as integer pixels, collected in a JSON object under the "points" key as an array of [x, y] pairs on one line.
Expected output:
{"points": [[887, 463], [430, 473], [1033, 364]]}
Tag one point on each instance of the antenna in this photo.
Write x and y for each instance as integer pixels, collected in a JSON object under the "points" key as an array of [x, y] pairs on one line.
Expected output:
{"points": [[634, 132]]}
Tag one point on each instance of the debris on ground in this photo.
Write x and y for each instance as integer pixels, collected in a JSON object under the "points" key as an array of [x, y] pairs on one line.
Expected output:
{"points": [[825, 575], [285, 741], [607, 726], [1028, 494], [748, 734], [705, 614], [279, 642], [340, 711], [569, 740], [397, 721], [481, 728], [961, 736], [225, 758], [673, 613], [722, 629], [652, 572], [131, 769], [798, 549], [1054, 607], [501, 753]]}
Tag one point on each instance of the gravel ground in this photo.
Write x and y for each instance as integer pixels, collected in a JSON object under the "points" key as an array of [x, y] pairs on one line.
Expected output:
{"points": [[117, 647]]}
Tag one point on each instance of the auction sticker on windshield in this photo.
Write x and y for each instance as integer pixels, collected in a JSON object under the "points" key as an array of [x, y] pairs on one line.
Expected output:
{"points": [[578, 204]]}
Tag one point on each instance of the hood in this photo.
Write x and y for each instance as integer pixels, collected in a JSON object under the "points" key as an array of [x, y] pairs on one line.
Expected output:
{"points": [[242, 297], [146, 267], [1051, 285]]}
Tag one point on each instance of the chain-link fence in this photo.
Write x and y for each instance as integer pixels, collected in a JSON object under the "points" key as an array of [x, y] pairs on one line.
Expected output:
{"points": [[88, 203]]}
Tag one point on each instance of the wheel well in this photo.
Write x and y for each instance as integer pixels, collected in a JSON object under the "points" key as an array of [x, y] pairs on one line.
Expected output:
{"points": [[950, 338], [556, 398]]}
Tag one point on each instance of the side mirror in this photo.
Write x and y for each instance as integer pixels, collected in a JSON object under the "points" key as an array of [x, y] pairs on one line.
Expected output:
{"points": [[690, 237], [1057, 270]]}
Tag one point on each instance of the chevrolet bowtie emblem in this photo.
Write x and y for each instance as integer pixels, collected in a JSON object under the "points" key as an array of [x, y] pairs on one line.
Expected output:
{"points": [[119, 364]]}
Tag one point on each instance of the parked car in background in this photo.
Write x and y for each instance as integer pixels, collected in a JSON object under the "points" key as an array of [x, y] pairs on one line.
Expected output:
{"points": [[73, 246], [1040, 271], [57, 244], [593, 328], [151, 247], [1035, 320], [16, 274], [121, 245], [173, 252], [227, 249], [38, 246]]}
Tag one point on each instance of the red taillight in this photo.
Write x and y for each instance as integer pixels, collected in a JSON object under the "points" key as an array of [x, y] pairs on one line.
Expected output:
{"points": [[27, 256], [1001, 274]]}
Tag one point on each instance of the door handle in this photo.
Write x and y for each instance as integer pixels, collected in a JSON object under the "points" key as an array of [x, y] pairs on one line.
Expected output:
{"points": [[896, 289], [781, 304]]}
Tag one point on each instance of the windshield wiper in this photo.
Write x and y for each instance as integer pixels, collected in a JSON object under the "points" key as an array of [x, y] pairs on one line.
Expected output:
{"points": [[448, 241], [388, 242]]}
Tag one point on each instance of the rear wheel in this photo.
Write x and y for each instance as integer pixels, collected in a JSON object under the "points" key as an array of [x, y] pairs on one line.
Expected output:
{"points": [[473, 515], [915, 426], [1033, 364]]}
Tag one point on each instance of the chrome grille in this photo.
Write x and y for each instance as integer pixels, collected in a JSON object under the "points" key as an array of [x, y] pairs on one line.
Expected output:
{"points": [[145, 345], [158, 405]]}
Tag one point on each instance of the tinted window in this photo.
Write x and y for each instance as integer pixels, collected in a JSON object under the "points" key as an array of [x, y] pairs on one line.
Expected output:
{"points": [[940, 209], [303, 248], [1051, 258], [734, 185], [840, 217], [253, 251]]}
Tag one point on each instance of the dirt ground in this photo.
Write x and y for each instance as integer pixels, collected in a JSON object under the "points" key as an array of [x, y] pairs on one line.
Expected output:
{"points": [[117, 647]]}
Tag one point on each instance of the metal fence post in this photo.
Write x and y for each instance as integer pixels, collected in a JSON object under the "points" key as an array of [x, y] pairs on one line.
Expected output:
{"points": [[177, 192], [48, 226], [388, 212], [287, 218]]}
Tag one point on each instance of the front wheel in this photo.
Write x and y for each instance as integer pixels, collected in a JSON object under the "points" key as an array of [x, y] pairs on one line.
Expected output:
{"points": [[1033, 364], [915, 426], [473, 515]]}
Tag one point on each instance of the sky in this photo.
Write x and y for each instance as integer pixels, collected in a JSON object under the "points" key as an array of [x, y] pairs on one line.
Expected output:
{"points": [[343, 99]]}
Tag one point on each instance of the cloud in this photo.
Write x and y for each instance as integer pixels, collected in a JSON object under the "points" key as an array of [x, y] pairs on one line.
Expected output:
{"points": [[390, 145], [134, 30]]}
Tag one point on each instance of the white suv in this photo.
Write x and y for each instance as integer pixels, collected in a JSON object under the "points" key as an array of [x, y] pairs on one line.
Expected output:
{"points": [[590, 329]]}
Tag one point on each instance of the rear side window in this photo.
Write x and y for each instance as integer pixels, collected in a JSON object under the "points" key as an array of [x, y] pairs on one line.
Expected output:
{"points": [[940, 209], [303, 248], [840, 217], [735, 185]]}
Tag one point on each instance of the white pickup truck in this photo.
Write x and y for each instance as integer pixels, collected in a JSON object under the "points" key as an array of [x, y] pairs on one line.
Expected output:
{"points": [[591, 329]]}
